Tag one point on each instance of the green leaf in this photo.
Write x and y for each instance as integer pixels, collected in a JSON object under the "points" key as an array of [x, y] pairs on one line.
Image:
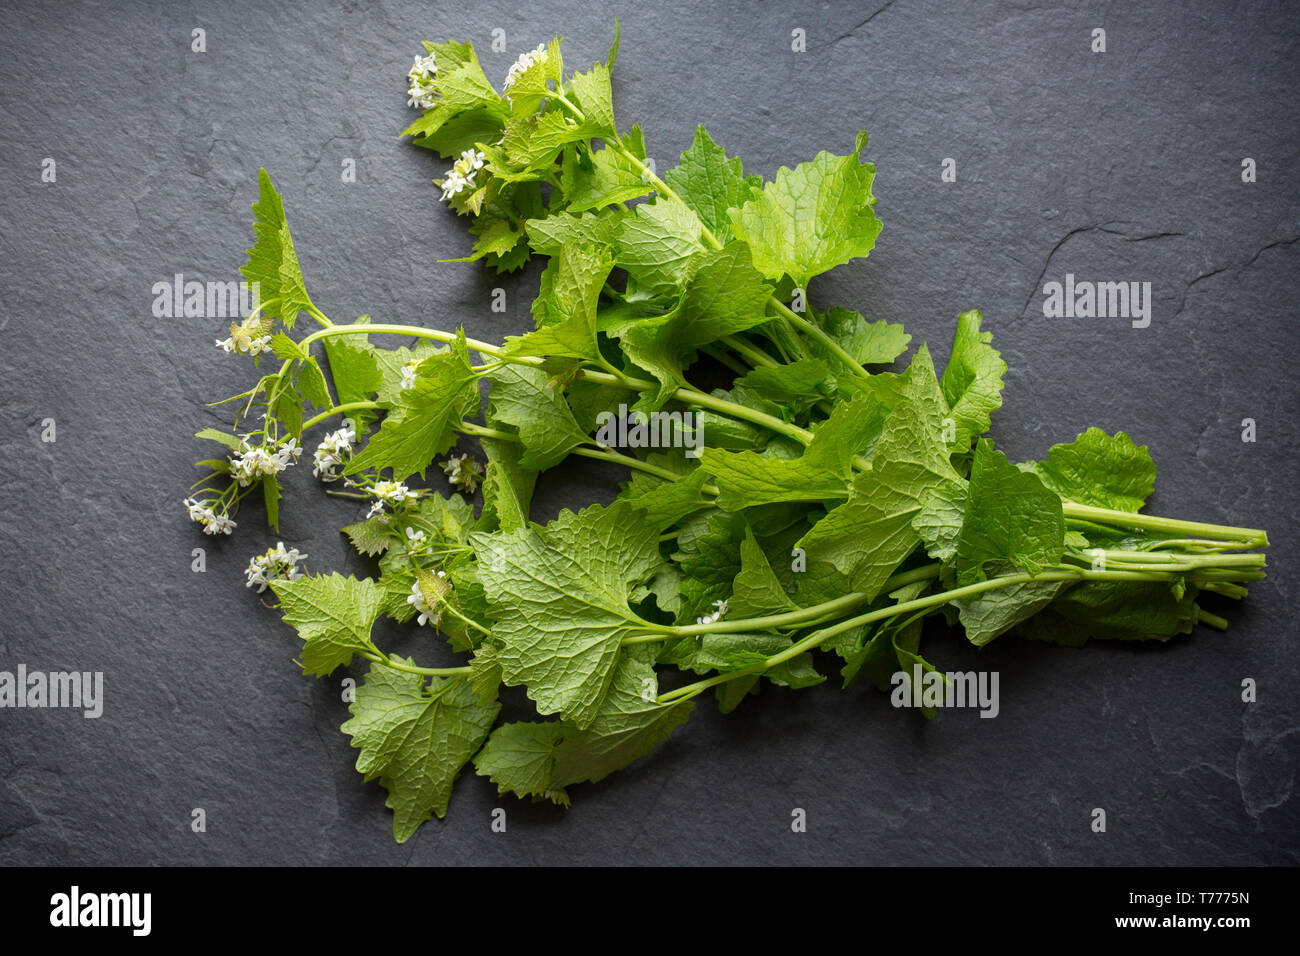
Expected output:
{"points": [[416, 739], [710, 183], [570, 305], [522, 397], [709, 556], [507, 487], [1100, 470], [629, 725], [799, 381], [355, 373], [725, 295], [391, 362], [939, 521], [597, 178], [667, 502], [370, 537], [272, 262], [540, 760], [811, 218], [484, 670], [756, 591], [1113, 611], [746, 478], [870, 343], [867, 537], [462, 131], [311, 380], [559, 596], [658, 245], [1010, 516], [595, 99], [423, 423], [520, 759], [878, 659], [271, 496], [993, 613], [333, 616], [548, 235], [533, 142], [726, 653], [972, 381], [654, 344], [212, 434]]}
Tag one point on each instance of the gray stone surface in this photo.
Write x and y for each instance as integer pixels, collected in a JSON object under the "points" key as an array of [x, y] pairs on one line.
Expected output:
{"points": [[1122, 165]]}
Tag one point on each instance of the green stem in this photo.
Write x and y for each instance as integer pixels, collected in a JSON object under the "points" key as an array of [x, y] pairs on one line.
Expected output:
{"points": [[687, 396], [755, 356], [1125, 519], [1213, 620], [318, 315], [339, 410], [722, 358], [814, 330], [817, 638], [436, 335], [630, 462], [807, 615], [1173, 563], [482, 431], [382, 658]]}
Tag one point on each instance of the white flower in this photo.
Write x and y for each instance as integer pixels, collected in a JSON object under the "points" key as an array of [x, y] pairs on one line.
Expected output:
{"points": [[287, 454], [453, 184], [414, 539], [718, 614], [408, 375], [248, 464], [390, 493], [420, 96], [212, 522], [416, 599], [277, 564], [243, 342], [472, 160], [522, 64], [464, 473], [333, 450], [421, 92], [423, 67]]}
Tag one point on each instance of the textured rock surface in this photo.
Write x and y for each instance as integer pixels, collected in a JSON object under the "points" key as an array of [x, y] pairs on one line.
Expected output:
{"points": [[1122, 165]]}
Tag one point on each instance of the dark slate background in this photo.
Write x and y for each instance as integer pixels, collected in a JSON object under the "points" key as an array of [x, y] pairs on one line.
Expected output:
{"points": [[1115, 166]]}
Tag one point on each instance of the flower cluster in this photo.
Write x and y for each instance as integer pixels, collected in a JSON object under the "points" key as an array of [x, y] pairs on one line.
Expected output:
{"points": [[213, 523], [427, 614], [389, 493], [245, 340], [420, 77], [249, 464], [464, 472], [717, 615], [277, 564], [523, 64], [334, 449], [461, 175]]}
